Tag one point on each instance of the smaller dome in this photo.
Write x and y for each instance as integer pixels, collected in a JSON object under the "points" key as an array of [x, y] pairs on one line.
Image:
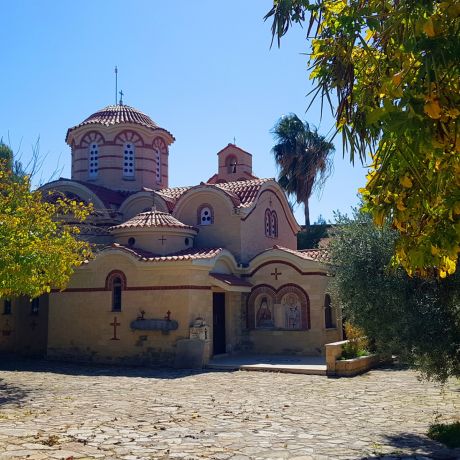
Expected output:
{"points": [[153, 219]]}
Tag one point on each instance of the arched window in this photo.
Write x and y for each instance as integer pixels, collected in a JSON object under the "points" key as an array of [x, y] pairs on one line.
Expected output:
{"points": [[116, 282], [274, 225], [129, 151], [267, 222], [231, 163], [205, 215], [271, 224], [93, 160], [116, 294], [328, 316]]}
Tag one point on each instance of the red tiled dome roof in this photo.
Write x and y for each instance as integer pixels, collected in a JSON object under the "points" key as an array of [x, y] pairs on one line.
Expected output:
{"points": [[118, 114], [151, 219]]}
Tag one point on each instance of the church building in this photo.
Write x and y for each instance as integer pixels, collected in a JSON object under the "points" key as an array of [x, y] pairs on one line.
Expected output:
{"points": [[215, 262]]}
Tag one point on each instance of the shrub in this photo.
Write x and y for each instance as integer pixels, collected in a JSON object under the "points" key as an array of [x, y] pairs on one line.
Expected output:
{"points": [[357, 344]]}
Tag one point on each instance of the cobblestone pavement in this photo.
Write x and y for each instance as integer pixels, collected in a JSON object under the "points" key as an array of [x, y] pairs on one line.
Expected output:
{"points": [[51, 410]]}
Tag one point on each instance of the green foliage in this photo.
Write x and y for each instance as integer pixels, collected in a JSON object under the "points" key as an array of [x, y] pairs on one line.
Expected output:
{"points": [[310, 237], [448, 434], [416, 318], [39, 246], [357, 345], [303, 157], [6, 156], [394, 70]]}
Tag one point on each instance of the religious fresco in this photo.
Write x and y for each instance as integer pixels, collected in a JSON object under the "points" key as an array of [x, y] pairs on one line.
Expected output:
{"points": [[286, 308], [291, 306], [265, 315]]}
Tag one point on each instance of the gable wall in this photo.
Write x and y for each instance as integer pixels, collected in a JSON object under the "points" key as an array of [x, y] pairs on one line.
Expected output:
{"points": [[253, 239], [225, 232]]}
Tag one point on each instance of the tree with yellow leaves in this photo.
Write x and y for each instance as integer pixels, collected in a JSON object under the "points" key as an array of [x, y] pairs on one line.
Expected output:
{"points": [[39, 247], [394, 69]]}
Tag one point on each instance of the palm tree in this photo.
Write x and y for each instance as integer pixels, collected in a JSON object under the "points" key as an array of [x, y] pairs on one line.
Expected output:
{"points": [[304, 159]]}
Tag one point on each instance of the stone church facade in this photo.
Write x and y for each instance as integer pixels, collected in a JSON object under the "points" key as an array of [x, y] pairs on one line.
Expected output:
{"points": [[215, 262]]}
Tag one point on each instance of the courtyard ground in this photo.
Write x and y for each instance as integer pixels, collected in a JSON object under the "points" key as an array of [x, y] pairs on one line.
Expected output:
{"points": [[55, 410]]}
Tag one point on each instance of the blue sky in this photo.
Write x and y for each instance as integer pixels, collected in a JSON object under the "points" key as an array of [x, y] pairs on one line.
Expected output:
{"points": [[203, 70]]}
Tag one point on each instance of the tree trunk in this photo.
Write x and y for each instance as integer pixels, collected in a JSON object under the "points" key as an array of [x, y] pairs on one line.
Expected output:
{"points": [[307, 215]]}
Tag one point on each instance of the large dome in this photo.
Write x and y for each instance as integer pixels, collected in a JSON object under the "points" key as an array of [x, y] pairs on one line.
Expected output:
{"points": [[118, 114]]}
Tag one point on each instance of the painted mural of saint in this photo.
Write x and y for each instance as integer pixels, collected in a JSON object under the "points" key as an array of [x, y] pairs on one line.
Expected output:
{"points": [[264, 314], [292, 313]]}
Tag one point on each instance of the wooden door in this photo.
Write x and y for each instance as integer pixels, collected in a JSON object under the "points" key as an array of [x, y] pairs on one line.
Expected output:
{"points": [[218, 333]]}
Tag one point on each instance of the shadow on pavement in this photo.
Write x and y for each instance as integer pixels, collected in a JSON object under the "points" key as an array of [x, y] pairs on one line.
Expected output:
{"points": [[421, 447], [88, 369], [10, 393]]}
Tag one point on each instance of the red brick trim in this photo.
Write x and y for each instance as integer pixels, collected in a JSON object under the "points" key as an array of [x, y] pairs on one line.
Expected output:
{"points": [[92, 136], [138, 288], [113, 156], [283, 262], [128, 135], [111, 276]]}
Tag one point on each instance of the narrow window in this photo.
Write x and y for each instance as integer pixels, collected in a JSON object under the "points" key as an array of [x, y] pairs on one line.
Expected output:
{"points": [[129, 160], [206, 216], [158, 161], [328, 317], [116, 294], [35, 306], [7, 307], [273, 225], [93, 160], [267, 222]]}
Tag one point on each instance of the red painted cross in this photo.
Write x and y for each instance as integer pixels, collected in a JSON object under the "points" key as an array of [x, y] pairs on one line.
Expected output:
{"points": [[115, 324], [276, 273]]}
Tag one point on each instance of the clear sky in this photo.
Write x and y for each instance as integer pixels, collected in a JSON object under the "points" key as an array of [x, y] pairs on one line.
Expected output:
{"points": [[203, 70]]}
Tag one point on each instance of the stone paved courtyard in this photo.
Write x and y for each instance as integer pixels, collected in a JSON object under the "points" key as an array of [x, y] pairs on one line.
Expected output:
{"points": [[51, 410]]}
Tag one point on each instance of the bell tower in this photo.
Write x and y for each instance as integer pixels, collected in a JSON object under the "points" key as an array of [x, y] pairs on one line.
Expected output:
{"points": [[233, 164]]}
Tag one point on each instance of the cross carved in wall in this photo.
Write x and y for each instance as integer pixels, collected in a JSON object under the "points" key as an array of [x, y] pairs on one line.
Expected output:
{"points": [[162, 239], [276, 273], [115, 324]]}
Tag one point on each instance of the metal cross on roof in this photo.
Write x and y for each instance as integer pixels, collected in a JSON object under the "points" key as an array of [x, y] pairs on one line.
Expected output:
{"points": [[121, 96]]}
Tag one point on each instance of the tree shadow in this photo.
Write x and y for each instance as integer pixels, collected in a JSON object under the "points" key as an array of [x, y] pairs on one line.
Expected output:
{"points": [[409, 445], [10, 393], [20, 364]]}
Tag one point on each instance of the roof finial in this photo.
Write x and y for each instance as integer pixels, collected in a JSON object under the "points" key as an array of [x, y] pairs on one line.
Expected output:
{"points": [[121, 96], [116, 84], [234, 140]]}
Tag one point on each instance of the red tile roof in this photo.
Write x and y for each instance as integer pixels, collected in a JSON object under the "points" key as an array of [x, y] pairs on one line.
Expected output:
{"points": [[186, 254], [118, 114], [235, 147], [231, 280], [107, 196], [246, 190], [152, 219], [242, 193], [318, 255]]}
